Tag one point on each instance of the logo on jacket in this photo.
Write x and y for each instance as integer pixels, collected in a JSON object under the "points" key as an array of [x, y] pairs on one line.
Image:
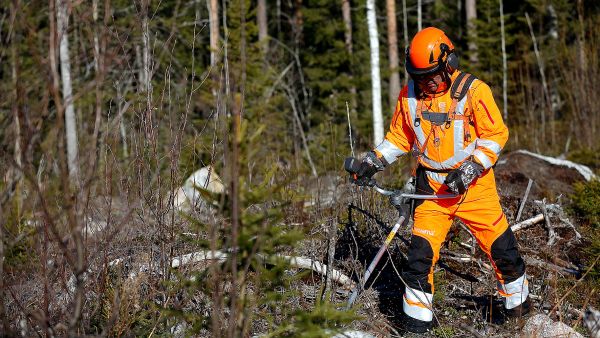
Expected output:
{"points": [[424, 231]]}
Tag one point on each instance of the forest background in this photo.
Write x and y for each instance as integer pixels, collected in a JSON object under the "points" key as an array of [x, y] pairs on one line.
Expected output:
{"points": [[106, 107]]}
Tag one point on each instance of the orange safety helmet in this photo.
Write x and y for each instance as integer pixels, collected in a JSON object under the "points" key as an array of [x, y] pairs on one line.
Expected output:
{"points": [[429, 52]]}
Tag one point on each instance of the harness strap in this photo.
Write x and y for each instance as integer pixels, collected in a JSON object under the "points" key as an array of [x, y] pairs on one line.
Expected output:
{"points": [[458, 90]]}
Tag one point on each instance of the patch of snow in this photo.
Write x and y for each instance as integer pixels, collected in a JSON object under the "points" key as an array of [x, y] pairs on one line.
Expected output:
{"points": [[585, 171]]}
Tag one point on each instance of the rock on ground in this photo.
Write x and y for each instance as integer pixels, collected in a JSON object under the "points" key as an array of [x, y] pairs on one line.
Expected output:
{"points": [[353, 334], [551, 176], [542, 326], [592, 322]]}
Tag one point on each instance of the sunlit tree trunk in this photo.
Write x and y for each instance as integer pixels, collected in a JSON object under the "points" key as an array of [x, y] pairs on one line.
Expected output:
{"points": [[471, 10], [504, 65], [394, 87], [145, 47], [213, 18], [62, 23], [347, 15], [375, 73], [419, 14], [261, 18], [405, 28]]}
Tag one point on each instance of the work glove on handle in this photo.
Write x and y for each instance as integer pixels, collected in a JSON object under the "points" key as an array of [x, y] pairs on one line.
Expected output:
{"points": [[458, 180], [362, 172], [403, 205]]}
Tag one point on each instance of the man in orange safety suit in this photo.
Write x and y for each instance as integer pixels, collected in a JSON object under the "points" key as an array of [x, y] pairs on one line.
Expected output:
{"points": [[448, 119]]}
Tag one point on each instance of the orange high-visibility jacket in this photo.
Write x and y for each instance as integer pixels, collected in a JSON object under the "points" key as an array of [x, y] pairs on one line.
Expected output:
{"points": [[489, 133]]}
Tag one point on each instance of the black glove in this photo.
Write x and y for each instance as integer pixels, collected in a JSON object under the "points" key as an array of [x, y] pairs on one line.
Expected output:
{"points": [[363, 171], [458, 180]]}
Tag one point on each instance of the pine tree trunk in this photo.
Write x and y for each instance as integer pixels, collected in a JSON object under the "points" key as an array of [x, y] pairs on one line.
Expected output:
{"points": [[213, 18], [471, 9], [298, 22], [375, 73], [394, 87], [263, 33], [62, 23], [347, 15]]}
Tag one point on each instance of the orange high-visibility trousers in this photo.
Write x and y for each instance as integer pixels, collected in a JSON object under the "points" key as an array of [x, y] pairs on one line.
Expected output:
{"points": [[479, 208]]}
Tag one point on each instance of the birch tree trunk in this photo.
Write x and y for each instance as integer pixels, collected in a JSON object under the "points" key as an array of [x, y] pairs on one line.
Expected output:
{"points": [[145, 49], [347, 15], [394, 87], [504, 65], [62, 23], [213, 18], [375, 73], [419, 15], [471, 9], [263, 32]]}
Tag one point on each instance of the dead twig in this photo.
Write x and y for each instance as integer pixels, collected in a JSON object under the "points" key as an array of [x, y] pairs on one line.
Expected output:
{"points": [[552, 236], [574, 285], [526, 223], [524, 200]]}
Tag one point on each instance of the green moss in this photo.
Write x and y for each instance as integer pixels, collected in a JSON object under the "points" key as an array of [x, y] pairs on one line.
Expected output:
{"points": [[586, 201], [444, 331]]}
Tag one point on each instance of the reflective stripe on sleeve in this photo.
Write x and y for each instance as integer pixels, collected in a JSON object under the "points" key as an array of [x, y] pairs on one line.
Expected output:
{"points": [[417, 304], [515, 292], [389, 151], [489, 144], [436, 176], [483, 159]]}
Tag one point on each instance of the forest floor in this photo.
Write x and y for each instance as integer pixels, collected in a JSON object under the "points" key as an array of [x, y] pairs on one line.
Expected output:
{"points": [[466, 302]]}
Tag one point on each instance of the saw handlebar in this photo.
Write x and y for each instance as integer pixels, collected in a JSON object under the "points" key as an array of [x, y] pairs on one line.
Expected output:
{"points": [[352, 166]]}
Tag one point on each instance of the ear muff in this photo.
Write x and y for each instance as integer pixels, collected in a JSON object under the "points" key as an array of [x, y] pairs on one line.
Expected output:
{"points": [[452, 62], [451, 58]]}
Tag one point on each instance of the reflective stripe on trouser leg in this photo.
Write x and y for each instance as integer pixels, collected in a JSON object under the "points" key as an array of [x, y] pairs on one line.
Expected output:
{"points": [[515, 292], [417, 304]]}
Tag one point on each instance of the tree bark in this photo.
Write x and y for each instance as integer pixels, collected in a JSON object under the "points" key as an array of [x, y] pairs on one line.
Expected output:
{"points": [[298, 22], [419, 14], [375, 73], [394, 87], [347, 16], [471, 9], [213, 18], [263, 32], [504, 64], [405, 28], [62, 23], [581, 37]]}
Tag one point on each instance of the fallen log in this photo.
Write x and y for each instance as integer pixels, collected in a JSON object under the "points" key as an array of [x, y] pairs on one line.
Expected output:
{"points": [[528, 222], [296, 262]]}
